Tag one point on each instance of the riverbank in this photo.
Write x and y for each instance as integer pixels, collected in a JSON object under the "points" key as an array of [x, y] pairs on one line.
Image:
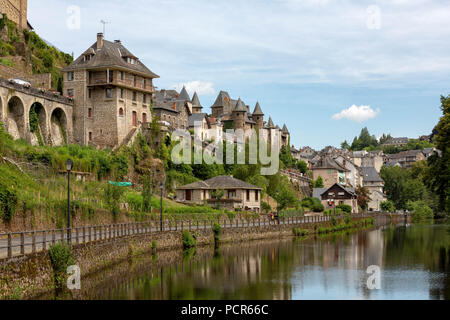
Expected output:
{"points": [[31, 276]]}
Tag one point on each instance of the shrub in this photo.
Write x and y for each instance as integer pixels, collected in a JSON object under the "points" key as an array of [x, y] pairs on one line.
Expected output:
{"points": [[422, 212], [298, 232], [188, 240], [154, 244], [387, 206], [60, 258], [318, 207], [345, 208], [8, 203], [217, 229]]}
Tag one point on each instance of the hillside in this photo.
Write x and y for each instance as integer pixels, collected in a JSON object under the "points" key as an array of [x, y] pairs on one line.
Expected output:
{"points": [[24, 54]]}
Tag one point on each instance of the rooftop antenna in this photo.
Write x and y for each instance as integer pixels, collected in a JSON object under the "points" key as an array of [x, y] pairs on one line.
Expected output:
{"points": [[104, 25]]}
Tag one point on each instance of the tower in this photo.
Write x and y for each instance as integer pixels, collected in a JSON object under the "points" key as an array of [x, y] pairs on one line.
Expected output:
{"points": [[196, 106], [239, 115], [258, 116]]}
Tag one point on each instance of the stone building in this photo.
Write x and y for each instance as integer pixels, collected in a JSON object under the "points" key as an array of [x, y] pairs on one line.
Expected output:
{"points": [[173, 108], [405, 158], [16, 11], [330, 171], [375, 184], [112, 92], [237, 194]]}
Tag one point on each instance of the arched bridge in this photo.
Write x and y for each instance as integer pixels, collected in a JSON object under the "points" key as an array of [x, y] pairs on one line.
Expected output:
{"points": [[35, 115]]}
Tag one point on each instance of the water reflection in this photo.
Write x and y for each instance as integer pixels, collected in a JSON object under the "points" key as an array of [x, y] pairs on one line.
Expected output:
{"points": [[414, 264]]}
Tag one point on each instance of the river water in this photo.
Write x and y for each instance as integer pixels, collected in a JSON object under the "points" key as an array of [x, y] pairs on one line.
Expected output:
{"points": [[414, 263]]}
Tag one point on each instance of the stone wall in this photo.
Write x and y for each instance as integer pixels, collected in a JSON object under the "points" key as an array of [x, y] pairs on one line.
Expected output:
{"points": [[16, 10]]}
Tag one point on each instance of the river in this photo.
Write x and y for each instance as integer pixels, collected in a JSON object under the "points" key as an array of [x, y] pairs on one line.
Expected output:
{"points": [[414, 263]]}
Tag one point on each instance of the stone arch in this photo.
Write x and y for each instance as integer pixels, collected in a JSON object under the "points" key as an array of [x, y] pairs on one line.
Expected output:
{"points": [[37, 124], [58, 127], [16, 118]]}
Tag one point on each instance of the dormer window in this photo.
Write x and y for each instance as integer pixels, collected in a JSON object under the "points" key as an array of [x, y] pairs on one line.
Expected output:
{"points": [[130, 60]]}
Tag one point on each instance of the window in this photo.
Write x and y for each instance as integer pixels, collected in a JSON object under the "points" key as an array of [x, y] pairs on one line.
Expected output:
{"points": [[70, 76], [120, 93], [111, 76], [70, 93], [90, 113], [121, 75], [134, 119], [109, 93], [144, 82], [90, 136], [144, 98], [90, 93], [256, 195], [121, 112], [134, 96], [231, 194], [248, 195], [144, 118], [134, 81]]}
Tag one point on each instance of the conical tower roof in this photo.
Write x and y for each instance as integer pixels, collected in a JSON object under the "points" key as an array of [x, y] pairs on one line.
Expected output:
{"points": [[258, 111], [285, 129], [270, 123], [184, 95], [240, 106], [196, 101]]}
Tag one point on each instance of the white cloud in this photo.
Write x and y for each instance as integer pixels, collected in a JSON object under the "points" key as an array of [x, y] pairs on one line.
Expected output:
{"points": [[355, 113], [201, 87]]}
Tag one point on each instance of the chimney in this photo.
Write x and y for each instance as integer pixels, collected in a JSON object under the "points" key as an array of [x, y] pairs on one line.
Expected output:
{"points": [[99, 41]]}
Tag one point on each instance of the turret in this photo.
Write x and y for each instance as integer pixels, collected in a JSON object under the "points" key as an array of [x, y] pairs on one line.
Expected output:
{"points": [[258, 116], [239, 115]]}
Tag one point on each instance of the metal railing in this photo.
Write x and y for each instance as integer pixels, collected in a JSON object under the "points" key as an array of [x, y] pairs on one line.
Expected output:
{"points": [[15, 244]]}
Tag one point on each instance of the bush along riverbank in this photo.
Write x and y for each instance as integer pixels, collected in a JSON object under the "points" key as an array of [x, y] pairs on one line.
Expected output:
{"points": [[30, 276]]}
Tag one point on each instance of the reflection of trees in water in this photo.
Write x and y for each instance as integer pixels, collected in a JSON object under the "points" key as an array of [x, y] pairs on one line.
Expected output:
{"points": [[426, 246]]}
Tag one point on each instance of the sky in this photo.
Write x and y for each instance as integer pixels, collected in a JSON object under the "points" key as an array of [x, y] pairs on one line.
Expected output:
{"points": [[325, 68]]}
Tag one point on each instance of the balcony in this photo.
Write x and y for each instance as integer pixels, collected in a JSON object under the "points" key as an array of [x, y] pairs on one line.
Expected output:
{"points": [[128, 84]]}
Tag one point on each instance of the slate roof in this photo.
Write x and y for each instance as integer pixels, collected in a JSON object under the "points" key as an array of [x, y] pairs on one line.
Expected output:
{"points": [[285, 129], [110, 55], [370, 174], [258, 111], [184, 95], [240, 106], [403, 140], [219, 182], [196, 101], [220, 100], [329, 163], [270, 123], [318, 192], [197, 117]]}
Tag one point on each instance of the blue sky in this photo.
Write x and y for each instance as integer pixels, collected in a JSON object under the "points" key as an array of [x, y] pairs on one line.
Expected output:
{"points": [[326, 68]]}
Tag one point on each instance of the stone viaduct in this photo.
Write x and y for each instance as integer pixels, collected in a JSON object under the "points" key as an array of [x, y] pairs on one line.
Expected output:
{"points": [[54, 114]]}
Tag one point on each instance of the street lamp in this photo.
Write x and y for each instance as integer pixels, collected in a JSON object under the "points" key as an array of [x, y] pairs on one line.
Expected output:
{"points": [[69, 165], [162, 192]]}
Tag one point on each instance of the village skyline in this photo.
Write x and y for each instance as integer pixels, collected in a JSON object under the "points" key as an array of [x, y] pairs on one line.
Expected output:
{"points": [[341, 92]]}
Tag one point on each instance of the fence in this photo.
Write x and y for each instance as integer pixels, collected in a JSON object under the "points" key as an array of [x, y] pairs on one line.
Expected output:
{"points": [[28, 242]]}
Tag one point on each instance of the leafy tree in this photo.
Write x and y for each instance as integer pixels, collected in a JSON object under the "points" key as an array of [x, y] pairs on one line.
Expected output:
{"points": [[218, 195], [384, 138], [318, 183], [265, 207], [440, 166], [421, 212], [113, 195], [345, 145], [302, 166], [387, 206], [286, 197]]}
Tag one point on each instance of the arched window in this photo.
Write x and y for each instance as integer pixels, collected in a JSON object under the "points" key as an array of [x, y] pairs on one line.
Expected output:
{"points": [[144, 118], [121, 112]]}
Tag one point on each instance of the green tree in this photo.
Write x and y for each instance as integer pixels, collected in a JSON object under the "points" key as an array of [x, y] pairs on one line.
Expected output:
{"points": [[318, 183], [387, 206], [302, 166], [363, 197], [113, 195], [439, 180], [345, 145]]}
